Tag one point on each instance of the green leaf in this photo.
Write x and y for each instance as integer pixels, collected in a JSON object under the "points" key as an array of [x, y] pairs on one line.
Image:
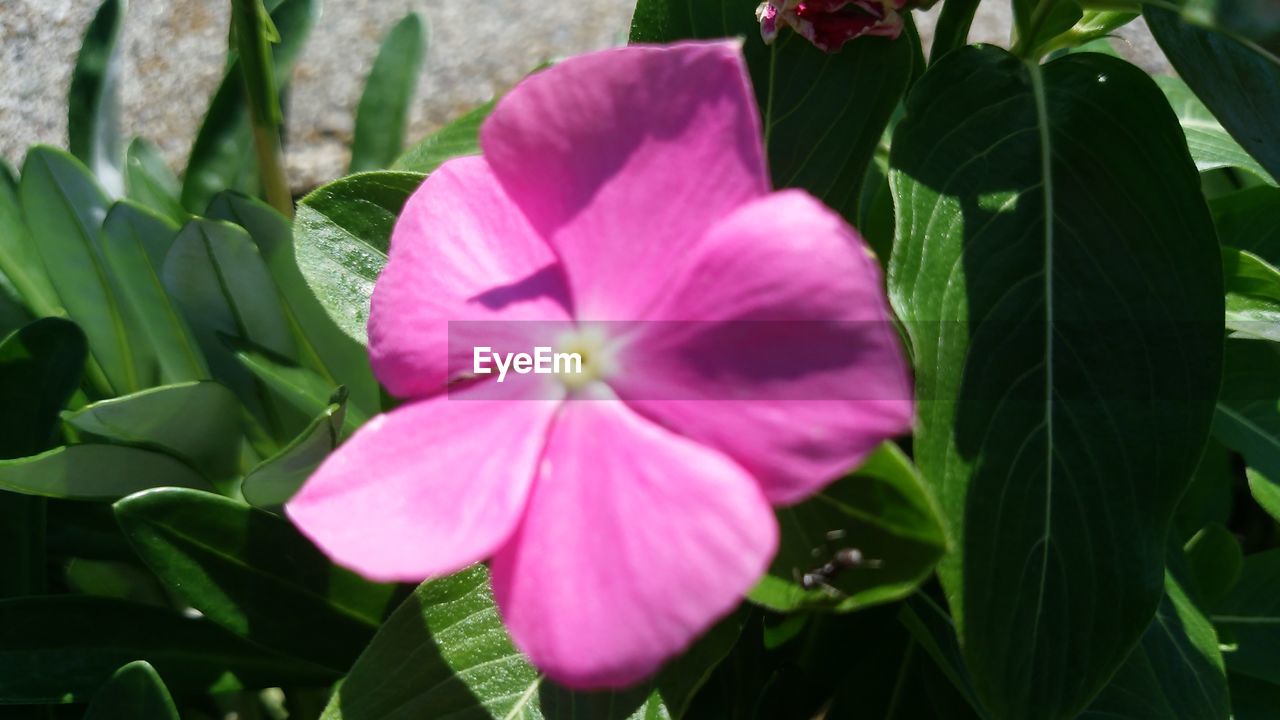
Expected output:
{"points": [[300, 388], [1237, 79], [40, 368], [335, 354], [457, 139], [135, 242], [341, 237], [149, 181], [823, 113], [134, 692], [1176, 672], [95, 472], [254, 574], [93, 123], [216, 276], [1059, 277], [388, 91], [1250, 220], [1209, 497], [1252, 699], [445, 653], [20, 261], [198, 422], [222, 156], [1253, 295], [1211, 147], [884, 511], [1249, 619], [65, 209], [272, 483], [1213, 560], [64, 648], [1248, 414]]}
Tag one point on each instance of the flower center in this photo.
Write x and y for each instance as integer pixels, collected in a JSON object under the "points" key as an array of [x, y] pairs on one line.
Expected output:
{"points": [[591, 358]]}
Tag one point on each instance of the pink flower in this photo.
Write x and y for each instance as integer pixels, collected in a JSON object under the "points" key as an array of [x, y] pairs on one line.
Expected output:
{"points": [[829, 24], [627, 509]]}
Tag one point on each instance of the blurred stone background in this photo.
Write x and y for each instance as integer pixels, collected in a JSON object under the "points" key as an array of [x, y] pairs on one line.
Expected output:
{"points": [[173, 53]]}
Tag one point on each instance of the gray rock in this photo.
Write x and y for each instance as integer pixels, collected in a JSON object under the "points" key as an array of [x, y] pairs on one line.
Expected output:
{"points": [[173, 54]]}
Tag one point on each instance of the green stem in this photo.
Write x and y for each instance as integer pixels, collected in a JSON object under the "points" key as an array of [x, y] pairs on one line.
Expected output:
{"points": [[1025, 47], [249, 19]]}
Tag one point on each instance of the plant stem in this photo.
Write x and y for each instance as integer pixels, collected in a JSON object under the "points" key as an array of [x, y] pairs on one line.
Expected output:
{"points": [[953, 26], [250, 21]]}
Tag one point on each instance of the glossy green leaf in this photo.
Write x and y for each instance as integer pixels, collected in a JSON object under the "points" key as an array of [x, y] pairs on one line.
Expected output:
{"points": [[40, 367], [95, 472], [1213, 561], [65, 648], [823, 114], [331, 351], [1238, 80], [388, 92], [254, 574], [93, 123], [65, 208], [300, 388], [217, 278], [444, 653], [341, 237], [1249, 619], [1211, 147], [149, 181], [272, 483], [20, 261], [1175, 673], [198, 422], [884, 511], [135, 242], [457, 139], [222, 156], [1059, 277], [1253, 295], [134, 692]]}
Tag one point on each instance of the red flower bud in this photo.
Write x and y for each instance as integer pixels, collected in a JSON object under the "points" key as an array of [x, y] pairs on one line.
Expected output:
{"points": [[829, 24]]}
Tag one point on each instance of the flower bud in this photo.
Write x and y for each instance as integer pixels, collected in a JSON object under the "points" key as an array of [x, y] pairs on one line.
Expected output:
{"points": [[829, 24]]}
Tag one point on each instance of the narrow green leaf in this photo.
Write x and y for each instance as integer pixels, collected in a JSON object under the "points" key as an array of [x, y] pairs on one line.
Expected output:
{"points": [[388, 91], [134, 692], [952, 30], [93, 122], [884, 512], [149, 181], [1253, 295], [335, 354], [95, 472], [40, 367], [65, 648], [198, 422], [457, 139], [254, 574], [1211, 147], [1249, 619], [20, 261], [300, 388], [1237, 79], [1059, 277], [65, 209], [222, 156], [341, 237], [135, 242], [272, 483], [217, 278], [823, 114]]}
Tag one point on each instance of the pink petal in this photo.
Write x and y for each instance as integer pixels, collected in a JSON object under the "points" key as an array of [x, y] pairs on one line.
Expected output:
{"points": [[425, 490], [623, 158], [778, 348], [635, 541], [461, 251]]}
